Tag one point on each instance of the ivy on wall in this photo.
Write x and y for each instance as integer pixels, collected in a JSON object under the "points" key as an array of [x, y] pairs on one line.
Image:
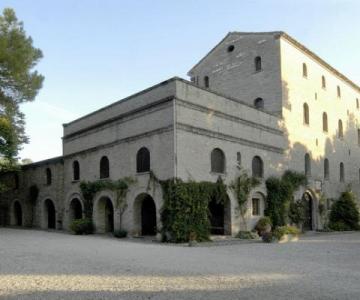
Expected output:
{"points": [[90, 188], [280, 193], [185, 213]]}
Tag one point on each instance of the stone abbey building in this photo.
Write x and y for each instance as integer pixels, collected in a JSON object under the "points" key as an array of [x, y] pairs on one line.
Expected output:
{"points": [[260, 99]]}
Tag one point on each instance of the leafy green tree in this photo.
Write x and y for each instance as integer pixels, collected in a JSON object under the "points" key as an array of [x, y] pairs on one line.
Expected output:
{"points": [[18, 83]]}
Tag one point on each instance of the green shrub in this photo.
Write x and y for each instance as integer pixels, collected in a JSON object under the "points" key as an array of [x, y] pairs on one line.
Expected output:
{"points": [[344, 214], [247, 235], [263, 225], [267, 237], [279, 232], [120, 233], [297, 212], [82, 226]]}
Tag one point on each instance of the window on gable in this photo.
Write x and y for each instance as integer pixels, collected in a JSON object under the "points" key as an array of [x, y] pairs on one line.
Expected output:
{"points": [[206, 81], [306, 114], [143, 160], [340, 130], [323, 82], [325, 122], [338, 92], [76, 170], [258, 66], [217, 161], [305, 73]]}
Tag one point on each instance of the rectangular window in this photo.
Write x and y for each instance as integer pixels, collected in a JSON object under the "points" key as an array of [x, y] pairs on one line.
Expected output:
{"points": [[256, 207]]}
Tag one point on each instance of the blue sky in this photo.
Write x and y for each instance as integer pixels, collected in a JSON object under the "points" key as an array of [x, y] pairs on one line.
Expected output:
{"points": [[97, 52]]}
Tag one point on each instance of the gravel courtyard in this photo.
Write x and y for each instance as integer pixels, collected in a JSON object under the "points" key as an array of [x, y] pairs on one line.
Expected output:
{"points": [[50, 265]]}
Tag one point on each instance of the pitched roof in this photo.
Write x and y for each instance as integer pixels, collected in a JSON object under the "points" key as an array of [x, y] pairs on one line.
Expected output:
{"points": [[294, 43]]}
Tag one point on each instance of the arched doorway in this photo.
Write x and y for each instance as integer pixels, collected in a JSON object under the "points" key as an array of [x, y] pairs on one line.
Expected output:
{"points": [[50, 216], [18, 217], [104, 215], [219, 215], [145, 214], [308, 211], [75, 209]]}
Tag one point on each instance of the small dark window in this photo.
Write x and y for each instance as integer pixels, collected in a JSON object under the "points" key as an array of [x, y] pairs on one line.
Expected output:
{"points": [[338, 92], [259, 103], [104, 167], [358, 137], [305, 74], [206, 81], [143, 160], [238, 158], [76, 170], [306, 114], [257, 167], [340, 130], [326, 169], [255, 206], [217, 161], [323, 82], [357, 103], [231, 48], [342, 172], [258, 66], [48, 176], [307, 165], [325, 122]]}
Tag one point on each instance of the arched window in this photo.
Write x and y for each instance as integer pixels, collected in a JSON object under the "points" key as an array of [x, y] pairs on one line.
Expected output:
{"points": [[104, 167], [217, 161], [206, 81], [326, 169], [307, 164], [257, 167], [305, 74], [48, 176], [76, 170], [342, 172], [306, 114], [325, 122], [338, 92], [143, 160], [357, 103], [257, 61], [340, 130], [238, 158], [259, 103], [323, 82]]}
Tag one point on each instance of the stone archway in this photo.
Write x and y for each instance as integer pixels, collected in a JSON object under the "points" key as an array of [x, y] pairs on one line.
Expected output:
{"points": [[104, 215], [76, 210], [145, 214], [49, 214], [17, 214], [307, 200], [220, 217]]}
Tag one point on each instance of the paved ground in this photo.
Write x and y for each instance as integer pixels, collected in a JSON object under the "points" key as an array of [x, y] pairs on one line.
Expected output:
{"points": [[49, 265]]}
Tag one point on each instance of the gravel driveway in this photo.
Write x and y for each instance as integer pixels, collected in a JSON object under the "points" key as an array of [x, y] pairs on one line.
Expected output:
{"points": [[50, 265]]}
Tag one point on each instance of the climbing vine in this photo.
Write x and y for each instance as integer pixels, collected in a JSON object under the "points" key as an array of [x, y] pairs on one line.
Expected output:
{"points": [[120, 187], [241, 187], [280, 195], [185, 213]]}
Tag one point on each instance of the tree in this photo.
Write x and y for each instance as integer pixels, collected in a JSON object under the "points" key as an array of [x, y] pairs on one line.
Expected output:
{"points": [[18, 83]]}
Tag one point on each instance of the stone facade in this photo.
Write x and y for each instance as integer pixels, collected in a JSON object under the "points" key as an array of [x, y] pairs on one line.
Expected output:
{"points": [[181, 122]]}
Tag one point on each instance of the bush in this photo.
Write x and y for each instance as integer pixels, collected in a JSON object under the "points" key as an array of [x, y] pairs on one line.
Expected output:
{"points": [[82, 226], [263, 225], [267, 237], [247, 235], [120, 233], [344, 214], [282, 230]]}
